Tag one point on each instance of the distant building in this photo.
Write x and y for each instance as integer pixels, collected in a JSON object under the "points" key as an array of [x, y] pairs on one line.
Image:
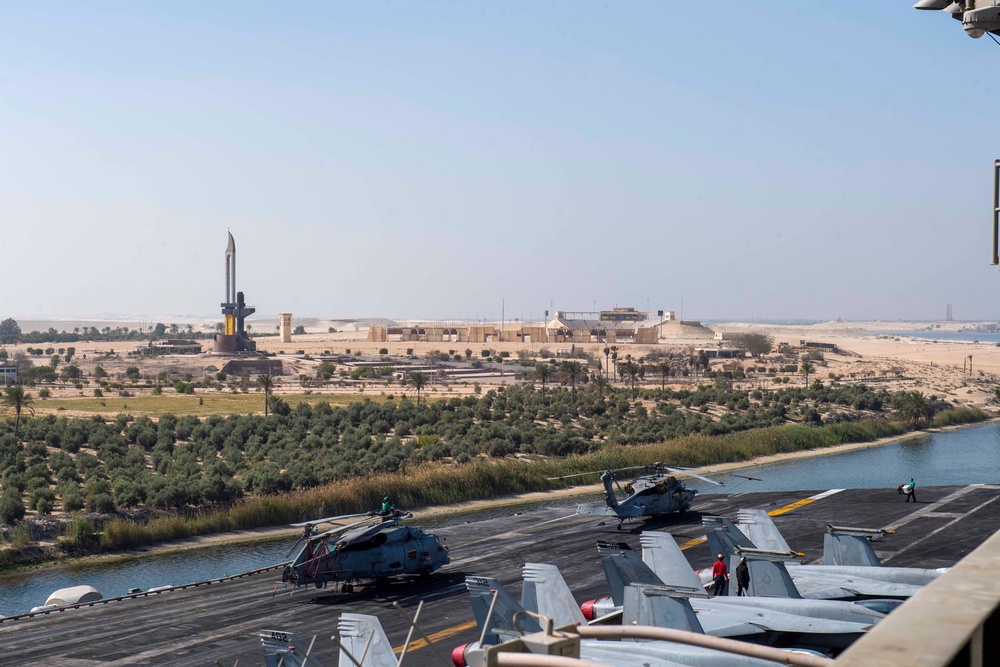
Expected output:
{"points": [[813, 345], [8, 370], [157, 348], [722, 352], [252, 366], [618, 325]]}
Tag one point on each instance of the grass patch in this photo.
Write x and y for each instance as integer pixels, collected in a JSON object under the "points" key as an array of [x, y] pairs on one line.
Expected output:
{"points": [[212, 404]]}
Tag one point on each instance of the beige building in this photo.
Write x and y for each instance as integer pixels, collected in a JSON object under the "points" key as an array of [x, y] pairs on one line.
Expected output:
{"points": [[285, 327], [619, 325]]}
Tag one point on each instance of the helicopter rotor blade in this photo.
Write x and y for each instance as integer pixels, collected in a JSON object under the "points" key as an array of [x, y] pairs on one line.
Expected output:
{"points": [[687, 472], [341, 529], [579, 474], [295, 546], [328, 519]]}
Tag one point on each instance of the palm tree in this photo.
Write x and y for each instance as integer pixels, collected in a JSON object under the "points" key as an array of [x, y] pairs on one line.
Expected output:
{"points": [[914, 408], [17, 399], [664, 368], [614, 360], [607, 360], [806, 367], [573, 371], [601, 381], [629, 371], [704, 361], [544, 372], [266, 382], [418, 380]]}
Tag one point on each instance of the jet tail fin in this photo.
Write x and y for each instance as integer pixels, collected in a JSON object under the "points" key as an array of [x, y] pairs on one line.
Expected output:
{"points": [[759, 527], [851, 546], [285, 648], [501, 625], [661, 553], [769, 577], [650, 606], [724, 537], [625, 567], [545, 592], [364, 639]]}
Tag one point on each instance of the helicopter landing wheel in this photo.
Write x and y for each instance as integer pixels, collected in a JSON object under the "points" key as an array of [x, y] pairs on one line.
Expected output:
{"points": [[347, 588], [619, 526]]}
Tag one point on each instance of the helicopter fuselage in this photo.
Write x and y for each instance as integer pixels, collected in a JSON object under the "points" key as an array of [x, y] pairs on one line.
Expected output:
{"points": [[648, 495], [373, 552]]}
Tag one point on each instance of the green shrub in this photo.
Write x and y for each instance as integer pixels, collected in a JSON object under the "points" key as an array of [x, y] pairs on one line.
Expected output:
{"points": [[11, 507]]}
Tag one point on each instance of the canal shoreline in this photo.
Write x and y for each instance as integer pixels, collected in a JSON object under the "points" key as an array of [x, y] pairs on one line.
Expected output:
{"points": [[443, 513]]}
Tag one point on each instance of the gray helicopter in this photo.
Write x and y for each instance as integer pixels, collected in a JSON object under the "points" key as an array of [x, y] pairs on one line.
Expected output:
{"points": [[375, 548], [656, 493]]}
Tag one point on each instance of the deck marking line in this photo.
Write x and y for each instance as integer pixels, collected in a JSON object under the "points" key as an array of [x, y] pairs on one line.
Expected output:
{"points": [[781, 510], [694, 542], [443, 634], [923, 511], [930, 513], [938, 530], [802, 503]]}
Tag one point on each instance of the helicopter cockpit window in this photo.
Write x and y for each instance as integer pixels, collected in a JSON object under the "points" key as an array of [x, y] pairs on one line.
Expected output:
{"points": [[411, 554]]}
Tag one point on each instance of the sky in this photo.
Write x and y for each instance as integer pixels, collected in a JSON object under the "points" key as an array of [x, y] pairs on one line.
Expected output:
{"points": [[434, 160]]}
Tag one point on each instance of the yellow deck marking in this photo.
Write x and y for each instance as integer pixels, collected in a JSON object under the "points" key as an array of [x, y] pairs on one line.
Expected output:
{"points": [[690, 543], [443, 634], [791, 506]]}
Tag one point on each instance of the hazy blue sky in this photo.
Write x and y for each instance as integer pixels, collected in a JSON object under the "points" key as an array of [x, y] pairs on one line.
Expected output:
{"points": [[428, 159]]}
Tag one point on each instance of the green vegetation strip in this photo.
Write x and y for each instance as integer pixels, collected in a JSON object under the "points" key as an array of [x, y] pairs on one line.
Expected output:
{"points": [[196, 405], [437, 484]]}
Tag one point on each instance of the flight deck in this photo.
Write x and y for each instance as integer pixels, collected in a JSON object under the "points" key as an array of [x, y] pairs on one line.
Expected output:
{"points": [[218, 623]]}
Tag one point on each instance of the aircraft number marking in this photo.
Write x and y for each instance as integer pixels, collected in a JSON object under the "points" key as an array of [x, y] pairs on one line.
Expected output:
{"points": [[279, 637], [481, 581]]}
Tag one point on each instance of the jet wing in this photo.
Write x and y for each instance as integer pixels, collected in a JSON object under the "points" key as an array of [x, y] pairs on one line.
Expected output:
{"points": [[748, 621]]}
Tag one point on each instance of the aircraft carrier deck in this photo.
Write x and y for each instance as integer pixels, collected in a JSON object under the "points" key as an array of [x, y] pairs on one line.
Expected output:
{"points": [[214, 623]]}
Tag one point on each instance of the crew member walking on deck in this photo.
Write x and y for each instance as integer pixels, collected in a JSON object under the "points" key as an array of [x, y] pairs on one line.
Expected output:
{"points": [[742, 576], [720, 574], [910, 489]]}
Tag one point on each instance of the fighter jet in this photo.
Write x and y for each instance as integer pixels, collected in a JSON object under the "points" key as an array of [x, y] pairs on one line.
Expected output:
{"points": [[362, 642], [816, 624], [846, 550], [487, 595], [809, 581]]}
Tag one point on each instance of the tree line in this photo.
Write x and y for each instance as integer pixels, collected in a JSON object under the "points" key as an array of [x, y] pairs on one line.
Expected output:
{"points": [[102, 465]]}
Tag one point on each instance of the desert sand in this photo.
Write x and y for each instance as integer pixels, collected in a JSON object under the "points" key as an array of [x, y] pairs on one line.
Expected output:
{"points": [[896, 362]]}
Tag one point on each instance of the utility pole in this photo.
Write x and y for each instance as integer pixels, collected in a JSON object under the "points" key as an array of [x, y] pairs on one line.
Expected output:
{"points": [[501, 319]]}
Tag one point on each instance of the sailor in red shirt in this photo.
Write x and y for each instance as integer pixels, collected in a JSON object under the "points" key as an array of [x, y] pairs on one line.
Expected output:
{"points": [[720, 574]]}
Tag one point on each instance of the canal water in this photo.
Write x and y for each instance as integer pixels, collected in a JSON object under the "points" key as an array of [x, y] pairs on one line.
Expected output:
{"points": [[983, 337], [964, 456]]}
